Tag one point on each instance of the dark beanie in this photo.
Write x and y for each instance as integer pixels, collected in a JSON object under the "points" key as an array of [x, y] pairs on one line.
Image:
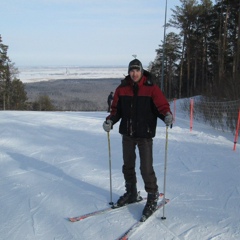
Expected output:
{"points": [[135, 64]]}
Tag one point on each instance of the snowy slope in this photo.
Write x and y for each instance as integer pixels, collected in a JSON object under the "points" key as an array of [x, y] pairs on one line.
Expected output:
{"points": [[55, 165]]}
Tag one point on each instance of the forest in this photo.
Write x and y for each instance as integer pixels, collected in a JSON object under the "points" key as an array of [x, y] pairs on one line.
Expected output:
{"points": [[71, 94], [203, 58]]}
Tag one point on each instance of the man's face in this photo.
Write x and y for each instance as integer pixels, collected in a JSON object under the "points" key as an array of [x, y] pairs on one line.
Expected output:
{"points": [[135, 75]]}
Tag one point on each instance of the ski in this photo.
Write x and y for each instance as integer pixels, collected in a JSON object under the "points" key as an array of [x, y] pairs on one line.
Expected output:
{"points": [[98, 212], [139, 223]]}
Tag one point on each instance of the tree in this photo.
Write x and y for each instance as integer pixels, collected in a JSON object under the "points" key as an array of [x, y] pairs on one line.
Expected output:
{"points": [[43, 104], [12, 91], [185, 18], [172, 56], [3, 70], [19, 95], [224, 51]]}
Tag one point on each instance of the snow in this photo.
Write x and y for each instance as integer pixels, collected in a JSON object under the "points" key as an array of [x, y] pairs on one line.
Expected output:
{"points": [[55, 165], [30, 74]]}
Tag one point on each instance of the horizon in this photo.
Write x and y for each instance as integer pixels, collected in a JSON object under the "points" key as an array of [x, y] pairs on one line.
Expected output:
{"points": [[73, 66], [60, 72]]}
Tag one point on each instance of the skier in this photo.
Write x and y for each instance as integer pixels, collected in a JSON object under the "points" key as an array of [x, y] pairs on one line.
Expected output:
{"points": [[109, 100], [138, 102]]}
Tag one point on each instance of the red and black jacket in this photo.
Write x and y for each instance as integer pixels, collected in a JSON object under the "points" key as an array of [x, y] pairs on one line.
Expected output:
{"points": [[138, 105]]}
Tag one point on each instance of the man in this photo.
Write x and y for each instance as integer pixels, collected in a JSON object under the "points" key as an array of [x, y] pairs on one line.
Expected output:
{"points": [[138, 102], [109, 100]]}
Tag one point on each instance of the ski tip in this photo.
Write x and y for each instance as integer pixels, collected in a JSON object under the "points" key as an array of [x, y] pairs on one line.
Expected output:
{"points": [[76, 219], [124, 238], [72, 219]]}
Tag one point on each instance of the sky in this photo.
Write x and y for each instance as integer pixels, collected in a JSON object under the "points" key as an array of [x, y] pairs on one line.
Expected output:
{"points": [[83, 32], [55, 165]]}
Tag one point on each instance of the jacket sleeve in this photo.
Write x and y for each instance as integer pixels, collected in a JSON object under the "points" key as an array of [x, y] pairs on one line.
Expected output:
{"points": [[160, 102]]}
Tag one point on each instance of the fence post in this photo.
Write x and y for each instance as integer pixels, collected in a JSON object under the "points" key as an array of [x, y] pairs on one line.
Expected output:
{"points": [[191, 113], [236, 133]]}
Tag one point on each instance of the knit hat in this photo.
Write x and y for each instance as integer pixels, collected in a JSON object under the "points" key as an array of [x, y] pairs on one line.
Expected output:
{"points": [[135, 64]]}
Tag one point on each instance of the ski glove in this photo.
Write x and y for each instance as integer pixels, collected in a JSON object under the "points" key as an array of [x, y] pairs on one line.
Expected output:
{"points": [[168, 119], [107, 125]]}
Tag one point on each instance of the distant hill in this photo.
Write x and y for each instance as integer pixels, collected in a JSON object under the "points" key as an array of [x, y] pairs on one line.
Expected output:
{"points": [[74, 94]]}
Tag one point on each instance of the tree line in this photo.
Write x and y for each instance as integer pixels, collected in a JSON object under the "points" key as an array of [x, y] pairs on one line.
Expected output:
{"points": [[204, 57], [78, 94], [12, 91], [13, 95]]}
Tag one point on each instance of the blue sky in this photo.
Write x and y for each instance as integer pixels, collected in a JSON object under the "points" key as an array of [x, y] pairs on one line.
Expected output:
{"points": [[82, 32]]}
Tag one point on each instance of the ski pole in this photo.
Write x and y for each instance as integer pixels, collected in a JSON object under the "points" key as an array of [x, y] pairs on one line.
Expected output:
{"points": [[110, 168], [165, 173]]}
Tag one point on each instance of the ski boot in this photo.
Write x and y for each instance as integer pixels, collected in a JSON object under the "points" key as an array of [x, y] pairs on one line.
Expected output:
{"points": [[130, 196], [150, 206]]}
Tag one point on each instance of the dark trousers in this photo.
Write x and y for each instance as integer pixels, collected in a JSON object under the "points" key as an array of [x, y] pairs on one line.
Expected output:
{"points": [[146, 161]]}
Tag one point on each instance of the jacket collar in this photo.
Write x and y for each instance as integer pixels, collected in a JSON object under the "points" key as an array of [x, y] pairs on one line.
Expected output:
{"points": [[145, 80]]}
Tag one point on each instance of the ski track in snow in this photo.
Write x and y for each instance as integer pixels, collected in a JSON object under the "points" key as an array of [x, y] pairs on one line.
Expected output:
{"points": [[55, 165]]}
